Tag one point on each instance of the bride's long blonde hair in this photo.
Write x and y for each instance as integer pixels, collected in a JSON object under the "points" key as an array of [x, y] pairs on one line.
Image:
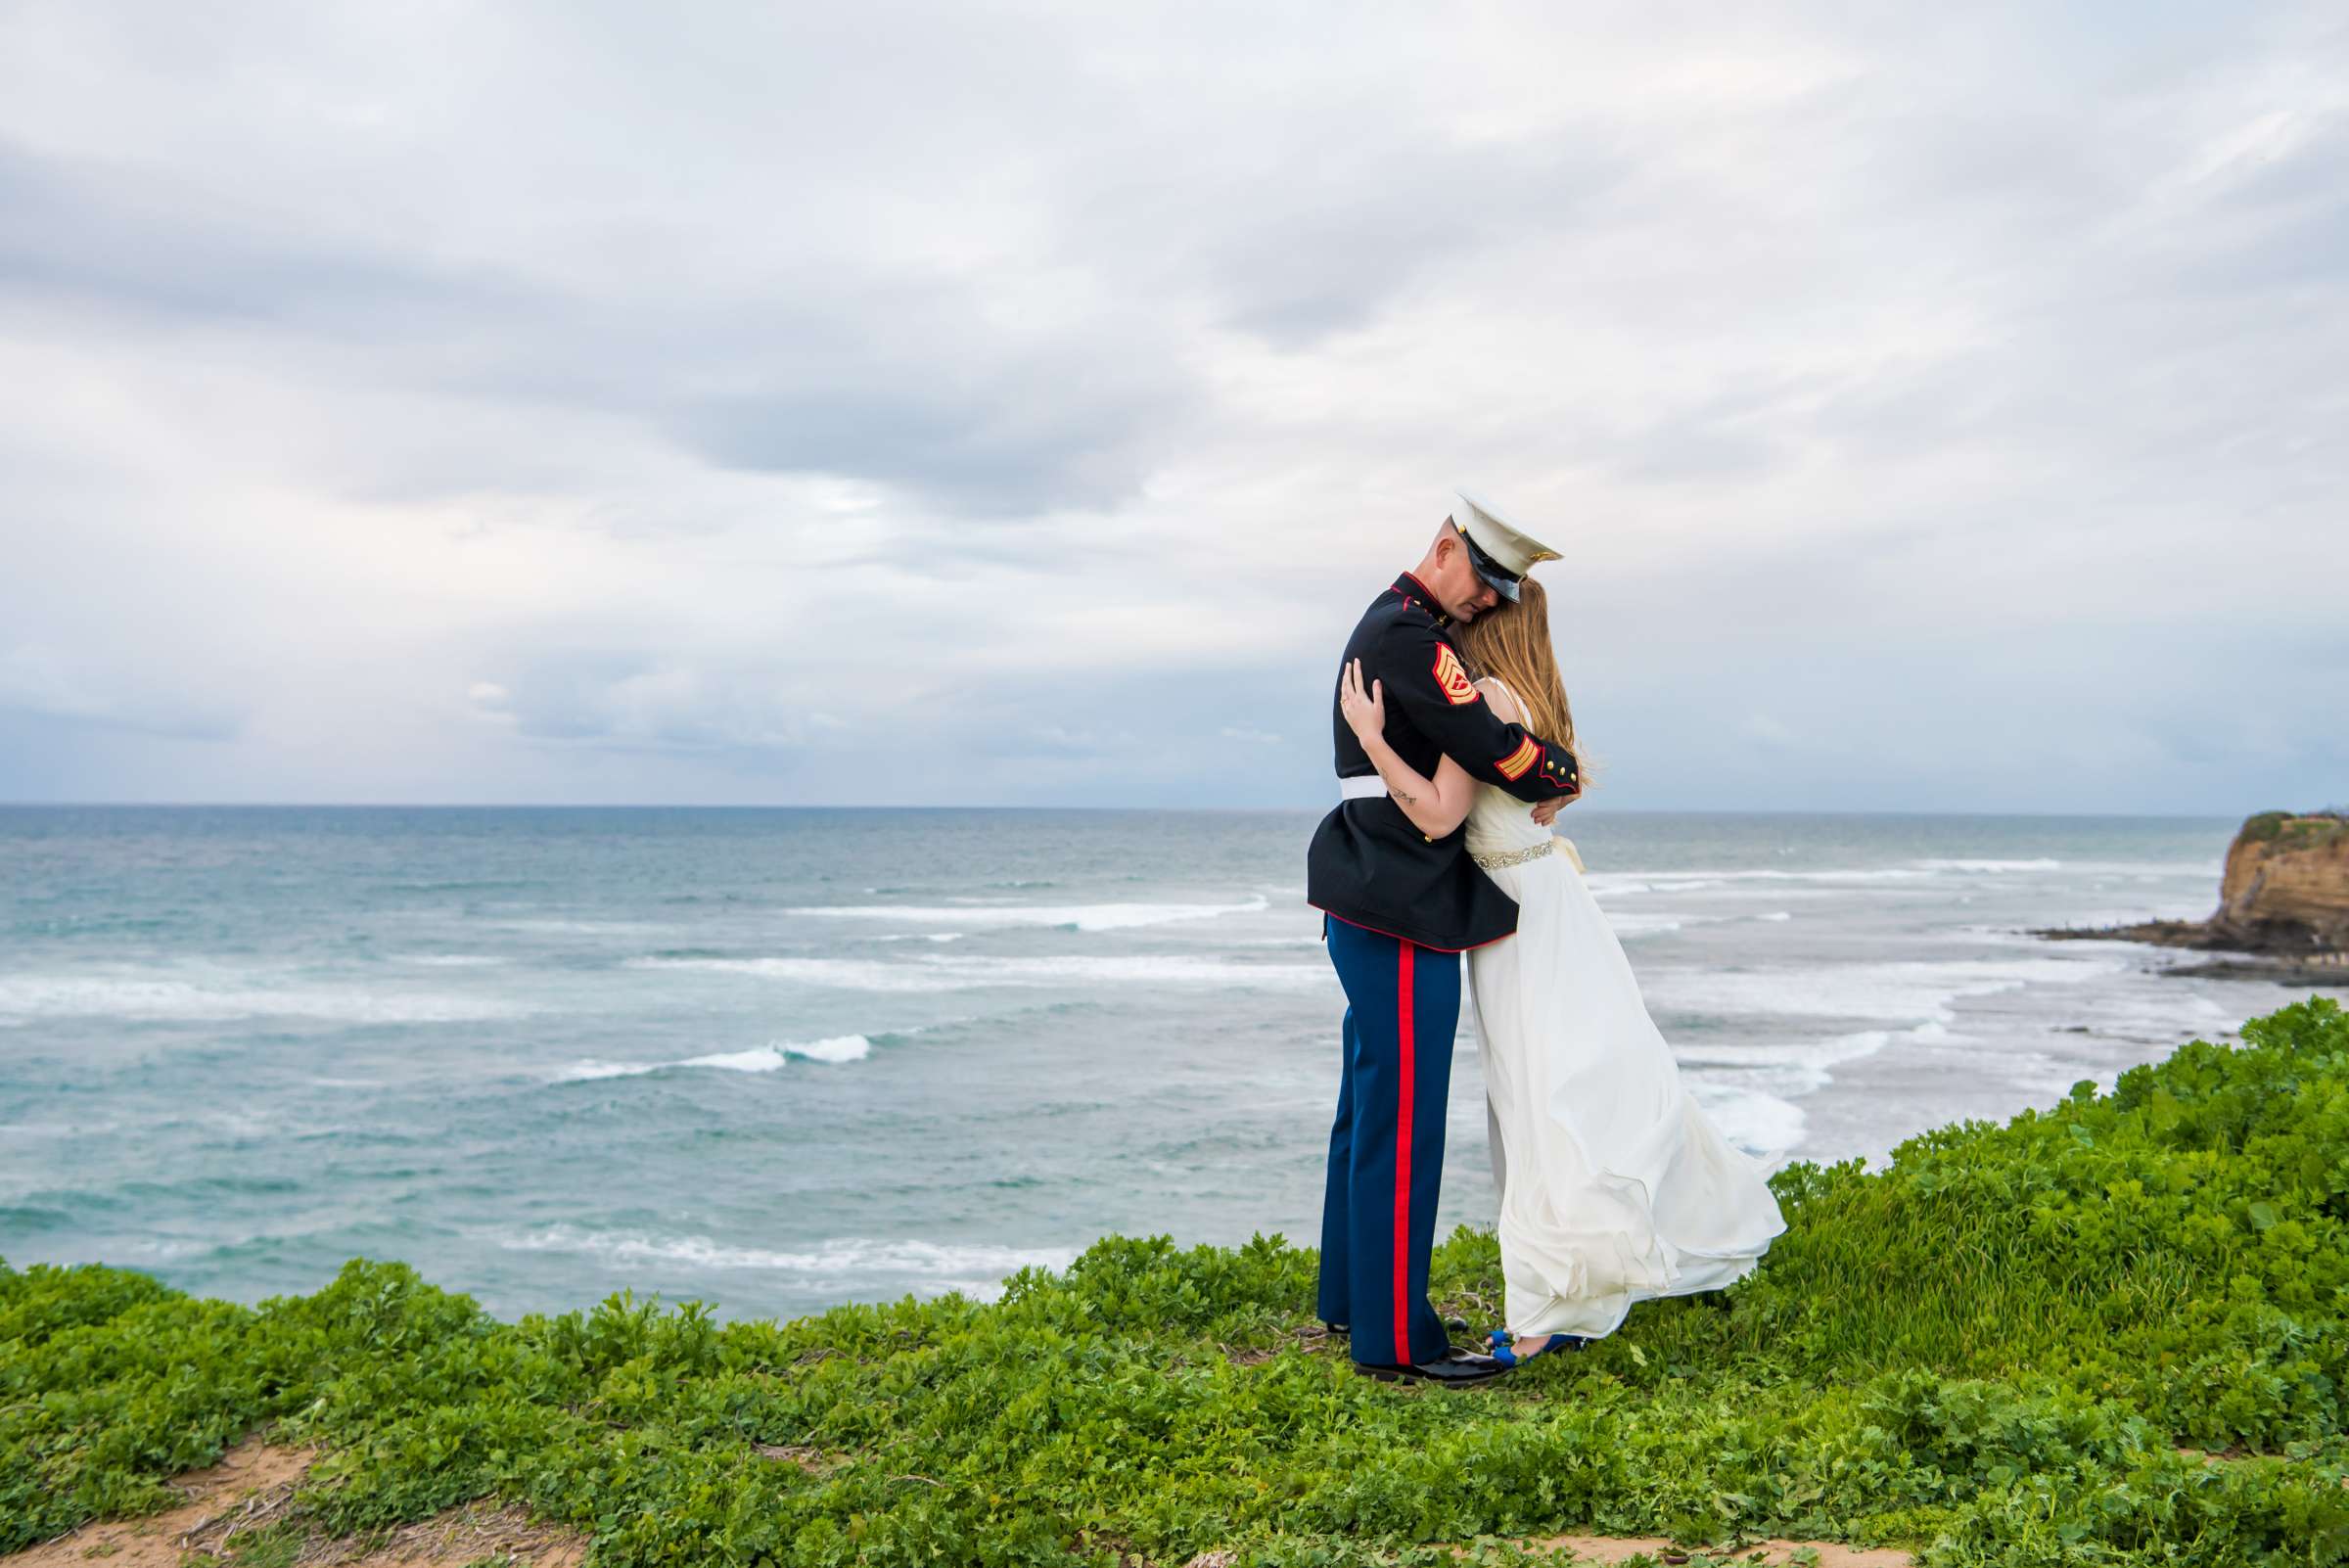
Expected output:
{"points": [[1512, 641]]}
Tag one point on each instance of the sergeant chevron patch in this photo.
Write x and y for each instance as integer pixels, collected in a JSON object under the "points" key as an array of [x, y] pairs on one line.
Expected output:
{"points": [[1513, 766], [1458, 689]]}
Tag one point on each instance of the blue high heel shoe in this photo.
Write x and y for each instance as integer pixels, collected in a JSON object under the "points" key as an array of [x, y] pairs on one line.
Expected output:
{"points": [[1502, 1348]]}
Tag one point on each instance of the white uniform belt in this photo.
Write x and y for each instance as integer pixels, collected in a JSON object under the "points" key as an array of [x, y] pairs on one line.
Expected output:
{"points": [[1368, 787]]}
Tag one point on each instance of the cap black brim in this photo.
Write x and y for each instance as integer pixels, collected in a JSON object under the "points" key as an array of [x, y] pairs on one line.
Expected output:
{"points": [[1490, 569], [1499, 582]]}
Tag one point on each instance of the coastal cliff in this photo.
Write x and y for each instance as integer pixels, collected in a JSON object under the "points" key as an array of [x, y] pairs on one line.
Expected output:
{"points": [[2284, 901], [2286, 885]]}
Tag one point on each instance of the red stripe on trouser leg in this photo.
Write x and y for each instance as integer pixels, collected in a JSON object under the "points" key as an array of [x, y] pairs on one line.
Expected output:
{"points": [[1402, 1158]]}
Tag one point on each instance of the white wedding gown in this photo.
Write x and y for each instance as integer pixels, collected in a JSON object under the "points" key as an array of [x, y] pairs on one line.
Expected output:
{"points": [[1614, 1187]]}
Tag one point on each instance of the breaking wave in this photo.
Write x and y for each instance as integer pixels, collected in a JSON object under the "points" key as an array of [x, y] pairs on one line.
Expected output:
{"points": [[762, 1060], [1074, 916], [975, 1270]]}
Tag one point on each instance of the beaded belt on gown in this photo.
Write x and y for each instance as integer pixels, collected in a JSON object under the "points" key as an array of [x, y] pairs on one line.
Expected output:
{"points": [[1531, 851]]}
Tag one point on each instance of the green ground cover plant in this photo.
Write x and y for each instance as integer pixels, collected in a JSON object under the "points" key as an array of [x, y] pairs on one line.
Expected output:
{"points": [[2017, 1345], [2298, 830]]}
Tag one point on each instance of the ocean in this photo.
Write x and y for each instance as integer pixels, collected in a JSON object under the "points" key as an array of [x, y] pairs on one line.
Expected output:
{"points": [[777, 1059]]}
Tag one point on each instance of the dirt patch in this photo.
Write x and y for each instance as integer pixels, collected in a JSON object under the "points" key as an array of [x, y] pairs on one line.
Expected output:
{"points": [[1775, 1553], [248, 1475], [252, 1488], [2226, 1455], [813, 1460], [2232, 1456], [460, 1536]]}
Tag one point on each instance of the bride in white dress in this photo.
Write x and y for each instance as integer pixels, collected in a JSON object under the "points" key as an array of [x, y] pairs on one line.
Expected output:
{"points": [[1615, 1188]]}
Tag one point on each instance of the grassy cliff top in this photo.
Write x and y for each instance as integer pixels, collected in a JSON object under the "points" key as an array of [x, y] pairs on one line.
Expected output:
{"points": [[2297, 830], [1995, 1351]]}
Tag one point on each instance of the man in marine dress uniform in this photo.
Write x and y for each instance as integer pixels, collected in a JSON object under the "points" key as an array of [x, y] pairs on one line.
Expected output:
{"points": [[1401, 909]]}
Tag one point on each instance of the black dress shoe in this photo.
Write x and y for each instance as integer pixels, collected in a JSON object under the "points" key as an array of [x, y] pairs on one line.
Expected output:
{"points": [[1460, 1369]]}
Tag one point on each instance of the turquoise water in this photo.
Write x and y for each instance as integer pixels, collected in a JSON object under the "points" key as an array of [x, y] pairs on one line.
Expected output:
{"points": [[777, 1059]]}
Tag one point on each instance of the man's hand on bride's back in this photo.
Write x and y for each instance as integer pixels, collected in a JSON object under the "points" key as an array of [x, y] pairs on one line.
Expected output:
{"points": [[1365, 711]]}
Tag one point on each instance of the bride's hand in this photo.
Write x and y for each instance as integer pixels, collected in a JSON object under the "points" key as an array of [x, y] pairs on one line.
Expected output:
{"points": [[1547, 811], [1366, 712]]}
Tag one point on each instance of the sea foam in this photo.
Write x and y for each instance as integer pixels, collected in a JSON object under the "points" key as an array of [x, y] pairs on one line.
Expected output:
{"points": [[1761, 1123], [230, 996], [1077, 916], [944, 972], [1628, 884], [976, 1270], [1797, 1067], [761, 1059], [1902, 993], [1628, 925]]}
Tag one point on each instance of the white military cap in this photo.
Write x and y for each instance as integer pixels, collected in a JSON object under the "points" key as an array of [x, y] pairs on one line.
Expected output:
{"points": [[1500, 552]]}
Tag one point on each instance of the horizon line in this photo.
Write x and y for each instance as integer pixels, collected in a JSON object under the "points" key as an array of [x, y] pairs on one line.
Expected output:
{"points": [[674, 806]]}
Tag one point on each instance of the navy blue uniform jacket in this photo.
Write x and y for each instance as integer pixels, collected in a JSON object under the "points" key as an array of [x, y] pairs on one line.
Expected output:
{"points": [[1367, 864]]}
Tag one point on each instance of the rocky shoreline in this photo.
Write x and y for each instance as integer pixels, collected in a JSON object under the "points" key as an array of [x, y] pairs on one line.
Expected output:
{"points": [[2284, 907]]}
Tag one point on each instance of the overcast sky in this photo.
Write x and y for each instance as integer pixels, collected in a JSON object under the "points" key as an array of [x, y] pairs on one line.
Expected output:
{"points": [[1937, 407]]}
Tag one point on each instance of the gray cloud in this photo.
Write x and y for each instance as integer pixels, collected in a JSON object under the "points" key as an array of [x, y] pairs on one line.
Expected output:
{"points": [[867, 377], [562, 402]]}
